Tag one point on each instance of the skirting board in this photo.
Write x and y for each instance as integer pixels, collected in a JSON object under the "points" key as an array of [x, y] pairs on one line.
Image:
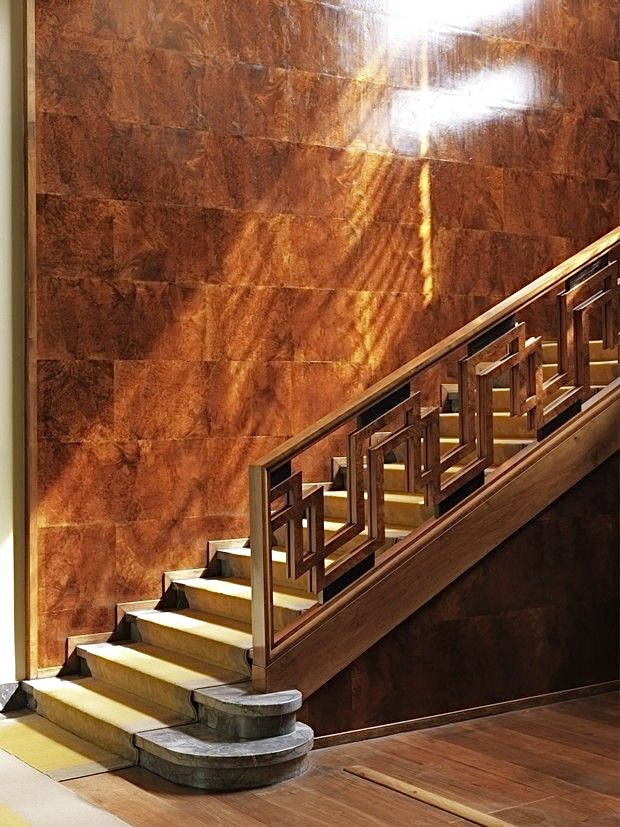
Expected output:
{"points": [[322, 741]]}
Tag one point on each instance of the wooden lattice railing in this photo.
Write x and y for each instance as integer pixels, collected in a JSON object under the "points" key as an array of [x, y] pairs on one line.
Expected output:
{"points": [[562, 305]]}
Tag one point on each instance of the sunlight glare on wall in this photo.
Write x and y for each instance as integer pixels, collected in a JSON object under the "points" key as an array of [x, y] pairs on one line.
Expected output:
{"points": [[411, 18], [417, 113]]}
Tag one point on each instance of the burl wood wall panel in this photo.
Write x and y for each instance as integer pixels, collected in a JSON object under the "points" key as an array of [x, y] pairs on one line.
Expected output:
{"points": [[537, 615], [248, 211]]}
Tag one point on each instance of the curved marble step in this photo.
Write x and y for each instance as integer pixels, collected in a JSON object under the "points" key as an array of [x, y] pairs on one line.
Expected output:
{"points": [[217, 640], [196, 756], [239, 712], [100, 713], [155, 674]]}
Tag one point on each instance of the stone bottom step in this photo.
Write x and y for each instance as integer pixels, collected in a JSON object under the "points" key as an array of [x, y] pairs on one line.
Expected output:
{"points": [[194, 755]]}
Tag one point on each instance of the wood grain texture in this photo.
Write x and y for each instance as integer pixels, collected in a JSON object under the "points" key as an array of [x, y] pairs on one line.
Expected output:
{"points": [[538, 615], [557, 776], [232, 223], [406, 580]]}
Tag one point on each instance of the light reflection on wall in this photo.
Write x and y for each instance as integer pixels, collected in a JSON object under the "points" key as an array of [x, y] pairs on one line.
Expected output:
{"points": [[415, 115], [411, 17], [418, 113]]}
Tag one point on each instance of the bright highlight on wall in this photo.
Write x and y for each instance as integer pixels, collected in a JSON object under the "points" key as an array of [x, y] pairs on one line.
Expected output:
{"points": [[484, 96], [456, 14]]}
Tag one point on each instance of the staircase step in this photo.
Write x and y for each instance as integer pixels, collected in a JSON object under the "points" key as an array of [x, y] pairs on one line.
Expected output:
{"points": [[401, 509], [236, 563], [232, 597], [394, 475], [239, 712], [597, 352], [218, 640], [155, 674], [601, 373], [504, 425], [196, 756], [100, 713], [503, 448]]}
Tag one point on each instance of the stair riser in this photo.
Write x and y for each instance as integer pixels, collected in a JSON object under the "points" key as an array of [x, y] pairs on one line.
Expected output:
{"points": [[601, 373], [225, 779], [597, 353], [244, 726], [241, 568], [397, 514], [504, 427], [176, 640], [98, 732], [237, 608], [145, 686]]}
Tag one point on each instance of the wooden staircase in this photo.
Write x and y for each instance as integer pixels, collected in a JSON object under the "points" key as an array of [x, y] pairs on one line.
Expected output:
{"points": [[171, 687]]}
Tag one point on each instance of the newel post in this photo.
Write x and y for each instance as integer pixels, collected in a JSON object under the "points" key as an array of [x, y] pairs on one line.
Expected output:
{"points": [[260, 545]]}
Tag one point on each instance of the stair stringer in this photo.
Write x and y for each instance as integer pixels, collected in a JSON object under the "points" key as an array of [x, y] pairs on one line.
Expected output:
{"points": [[421, 565]]}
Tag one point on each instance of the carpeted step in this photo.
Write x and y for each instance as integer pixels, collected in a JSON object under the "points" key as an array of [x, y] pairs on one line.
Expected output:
{"points": [[401, 509], [100, 713], [209, 638], [597, 352], [504, 426], [167, 678], [601, 373], [236, 563], [197, 756], [232, 597], [503, 448]]}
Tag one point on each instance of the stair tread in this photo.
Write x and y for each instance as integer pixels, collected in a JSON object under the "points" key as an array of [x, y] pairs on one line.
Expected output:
{"points": [[199, 742], [117, 707], [390, 496], [163, 664], [209, 627], [454, 440], [498, 414], [241, 699], [237, 587]]}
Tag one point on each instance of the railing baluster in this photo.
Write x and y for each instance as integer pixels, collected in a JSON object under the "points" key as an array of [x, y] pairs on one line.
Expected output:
{"points": [[390, 415]]}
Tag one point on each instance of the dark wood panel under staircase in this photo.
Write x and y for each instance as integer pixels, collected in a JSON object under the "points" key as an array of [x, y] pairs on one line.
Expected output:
{"points": [[200, 684]]}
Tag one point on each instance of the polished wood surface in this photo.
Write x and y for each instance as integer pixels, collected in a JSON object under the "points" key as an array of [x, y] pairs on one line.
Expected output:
{"points": [[249, 212], [31, 429], [539, 614], [497, 345], [556, 765], [495, 315], [439, 802]]}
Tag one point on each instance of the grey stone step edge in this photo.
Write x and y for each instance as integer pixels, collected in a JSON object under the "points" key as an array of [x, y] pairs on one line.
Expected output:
{"points": [[243, 739], [195, 756]]}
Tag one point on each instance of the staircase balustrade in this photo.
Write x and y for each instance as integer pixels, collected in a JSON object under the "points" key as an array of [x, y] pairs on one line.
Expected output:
{"points": [[398, 417]]}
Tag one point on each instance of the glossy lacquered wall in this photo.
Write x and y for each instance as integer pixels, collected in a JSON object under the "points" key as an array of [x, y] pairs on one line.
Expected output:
{"points": [[249, 210]]}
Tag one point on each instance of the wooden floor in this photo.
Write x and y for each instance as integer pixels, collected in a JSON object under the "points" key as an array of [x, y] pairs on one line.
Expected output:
{"points": [[553, 765]]}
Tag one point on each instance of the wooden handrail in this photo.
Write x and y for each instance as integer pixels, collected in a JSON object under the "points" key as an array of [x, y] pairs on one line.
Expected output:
{"points": [[489, 319], [390, 415], [420, 565]]}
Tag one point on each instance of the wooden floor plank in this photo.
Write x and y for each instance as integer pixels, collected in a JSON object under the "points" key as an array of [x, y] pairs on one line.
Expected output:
{"points": [[584, 807], [551, 766]]}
